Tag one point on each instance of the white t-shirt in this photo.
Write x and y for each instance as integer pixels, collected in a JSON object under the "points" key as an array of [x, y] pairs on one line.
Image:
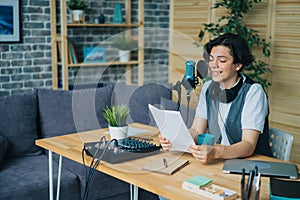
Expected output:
{"points": [[254, 111]]}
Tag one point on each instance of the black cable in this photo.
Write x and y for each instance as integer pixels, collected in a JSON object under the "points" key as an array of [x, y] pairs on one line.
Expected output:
{"points": [[94, 165], [93, 168], [87, 172], [226, 130]]}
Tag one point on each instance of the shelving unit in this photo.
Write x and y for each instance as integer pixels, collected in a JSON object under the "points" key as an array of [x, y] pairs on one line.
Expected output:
{"points": [[63, 38]]}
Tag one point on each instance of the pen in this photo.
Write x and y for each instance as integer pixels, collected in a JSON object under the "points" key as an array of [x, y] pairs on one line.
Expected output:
{"points": [[255, 187], [255, 171], [165, 162], [250, 181], [243, 184]]}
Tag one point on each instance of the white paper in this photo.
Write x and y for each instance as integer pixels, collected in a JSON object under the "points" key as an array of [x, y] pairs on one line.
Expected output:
{"points": [[172, 127]]}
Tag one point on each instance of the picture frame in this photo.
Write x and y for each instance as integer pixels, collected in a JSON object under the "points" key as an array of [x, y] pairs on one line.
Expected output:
{"points": [[10, 16], [93, 54]]}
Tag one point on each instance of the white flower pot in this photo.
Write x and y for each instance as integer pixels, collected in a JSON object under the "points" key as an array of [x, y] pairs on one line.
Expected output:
{"points": [[78, 15], [118, 132], [124, 55]]}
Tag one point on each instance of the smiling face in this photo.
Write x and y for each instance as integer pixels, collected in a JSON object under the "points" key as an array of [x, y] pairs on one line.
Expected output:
{"points": [[222, 68]]}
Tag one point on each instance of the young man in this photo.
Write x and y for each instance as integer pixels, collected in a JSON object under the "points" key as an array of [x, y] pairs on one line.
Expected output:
{"points": [[231, 107]]}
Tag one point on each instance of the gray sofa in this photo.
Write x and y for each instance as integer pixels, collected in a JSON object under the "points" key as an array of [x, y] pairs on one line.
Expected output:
{"points": [[46, 113]]}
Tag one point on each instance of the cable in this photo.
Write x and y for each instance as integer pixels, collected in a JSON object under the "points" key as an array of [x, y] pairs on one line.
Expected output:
{"points": [[220, 138], [94, 165]]}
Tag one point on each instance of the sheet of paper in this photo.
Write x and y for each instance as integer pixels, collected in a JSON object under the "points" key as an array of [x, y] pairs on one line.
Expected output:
{"points": [[172, 127]]}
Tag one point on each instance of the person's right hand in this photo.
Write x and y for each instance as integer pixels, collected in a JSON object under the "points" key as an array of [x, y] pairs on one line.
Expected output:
{"points": [[164, 142]]}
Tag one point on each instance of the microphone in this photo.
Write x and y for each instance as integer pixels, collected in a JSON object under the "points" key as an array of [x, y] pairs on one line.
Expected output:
{"points": [[189, 81], [202, 69]]}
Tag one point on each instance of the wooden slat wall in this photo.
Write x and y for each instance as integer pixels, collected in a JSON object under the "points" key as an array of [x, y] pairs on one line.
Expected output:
{"points": [[285, 92], [186, 18], [278, 19]]}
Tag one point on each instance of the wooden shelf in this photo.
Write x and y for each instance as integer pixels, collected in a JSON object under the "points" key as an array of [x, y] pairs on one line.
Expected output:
{"points": [[102, 25], [101, 64], [59, 41]]}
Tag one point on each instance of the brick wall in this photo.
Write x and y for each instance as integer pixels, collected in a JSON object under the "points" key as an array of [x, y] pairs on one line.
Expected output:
{"points": [[27, 64]]}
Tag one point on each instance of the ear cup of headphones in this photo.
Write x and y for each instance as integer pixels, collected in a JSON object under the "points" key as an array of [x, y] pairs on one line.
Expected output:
{"points": [[226, 95]]}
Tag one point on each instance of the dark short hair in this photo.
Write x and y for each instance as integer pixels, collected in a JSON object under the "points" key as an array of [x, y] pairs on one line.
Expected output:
{"points": [[238, 46]]}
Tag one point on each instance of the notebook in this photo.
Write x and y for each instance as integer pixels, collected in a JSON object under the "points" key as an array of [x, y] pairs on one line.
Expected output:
{"points": [[160, 166], [265, 168]]}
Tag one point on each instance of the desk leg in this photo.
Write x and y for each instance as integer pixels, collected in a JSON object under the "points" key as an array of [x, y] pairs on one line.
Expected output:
{"points": [[134, 192], [50, 176], [59, 177]]}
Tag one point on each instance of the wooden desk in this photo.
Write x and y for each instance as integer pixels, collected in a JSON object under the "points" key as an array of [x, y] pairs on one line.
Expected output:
{"points": [[70, 146]]}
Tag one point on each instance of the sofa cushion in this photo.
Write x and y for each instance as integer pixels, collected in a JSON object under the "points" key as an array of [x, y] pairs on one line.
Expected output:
{"points": [[168, 104], [144, 95], [19, 124], [63, 112], [27, 178], [3, 148]]}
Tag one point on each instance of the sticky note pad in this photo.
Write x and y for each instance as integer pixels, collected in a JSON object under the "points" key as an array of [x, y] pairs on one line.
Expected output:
{"points": [[199, 181]]}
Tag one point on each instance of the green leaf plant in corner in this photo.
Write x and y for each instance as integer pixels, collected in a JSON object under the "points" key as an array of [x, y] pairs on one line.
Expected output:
{"points": [[233, 23], [116, 116]]}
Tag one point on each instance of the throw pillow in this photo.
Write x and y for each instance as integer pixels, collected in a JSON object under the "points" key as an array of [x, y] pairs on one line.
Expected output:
{"points": [[19, 124], [63, 112]]}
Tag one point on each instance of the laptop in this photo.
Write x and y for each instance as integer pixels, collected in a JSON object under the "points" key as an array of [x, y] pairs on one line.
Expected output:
{"points": [[265, 168]]}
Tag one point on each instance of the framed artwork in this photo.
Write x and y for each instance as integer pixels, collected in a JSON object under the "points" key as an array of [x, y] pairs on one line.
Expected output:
{"points": [[10, 21], [93, 54]]}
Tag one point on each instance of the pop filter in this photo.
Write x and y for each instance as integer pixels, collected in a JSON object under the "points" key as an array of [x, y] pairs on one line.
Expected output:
{"points": [[202, 69]]}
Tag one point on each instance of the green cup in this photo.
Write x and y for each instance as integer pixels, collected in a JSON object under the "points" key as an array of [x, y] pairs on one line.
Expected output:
{"points": [[206, 139]]}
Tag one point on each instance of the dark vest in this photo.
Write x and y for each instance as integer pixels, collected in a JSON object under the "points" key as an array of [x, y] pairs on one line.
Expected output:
{"points": [[233, 124]]}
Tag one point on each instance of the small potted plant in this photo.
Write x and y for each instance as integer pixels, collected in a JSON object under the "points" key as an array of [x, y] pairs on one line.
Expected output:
{"points": [[77, 7], [116, 117], [125, 45]]}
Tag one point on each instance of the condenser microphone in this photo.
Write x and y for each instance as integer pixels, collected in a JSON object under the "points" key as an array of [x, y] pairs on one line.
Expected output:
{"points": [[188, 81], [202, 69]]}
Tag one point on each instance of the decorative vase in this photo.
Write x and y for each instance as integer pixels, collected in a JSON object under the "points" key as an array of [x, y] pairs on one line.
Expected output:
{"points": [[101, 19], [78, 16], [124, 55], [118, 14], [118, 132]]}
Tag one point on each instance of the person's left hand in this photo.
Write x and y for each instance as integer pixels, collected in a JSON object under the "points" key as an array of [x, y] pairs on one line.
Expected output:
{"points": [[202, 153]]}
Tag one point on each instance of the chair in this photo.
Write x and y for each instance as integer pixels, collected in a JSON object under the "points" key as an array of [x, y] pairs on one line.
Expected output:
{"points": [[280, 143]]}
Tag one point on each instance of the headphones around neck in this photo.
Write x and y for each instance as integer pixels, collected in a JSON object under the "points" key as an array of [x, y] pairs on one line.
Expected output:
{"points": [[226, 95]]}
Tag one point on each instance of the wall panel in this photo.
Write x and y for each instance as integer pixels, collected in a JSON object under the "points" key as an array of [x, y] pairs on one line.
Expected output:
{"points": [[278, 20]]}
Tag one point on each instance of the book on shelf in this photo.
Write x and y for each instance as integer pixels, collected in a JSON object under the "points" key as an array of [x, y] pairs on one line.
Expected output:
{"points": [[72, 52], [205, 187]]}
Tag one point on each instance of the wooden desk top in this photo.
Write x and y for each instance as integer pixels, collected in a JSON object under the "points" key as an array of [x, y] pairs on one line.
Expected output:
{"points": [[169, 186]]}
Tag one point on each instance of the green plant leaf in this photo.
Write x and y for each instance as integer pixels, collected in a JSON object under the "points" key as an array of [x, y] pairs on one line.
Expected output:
{"points": [[233, 23], [116, 115]]}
